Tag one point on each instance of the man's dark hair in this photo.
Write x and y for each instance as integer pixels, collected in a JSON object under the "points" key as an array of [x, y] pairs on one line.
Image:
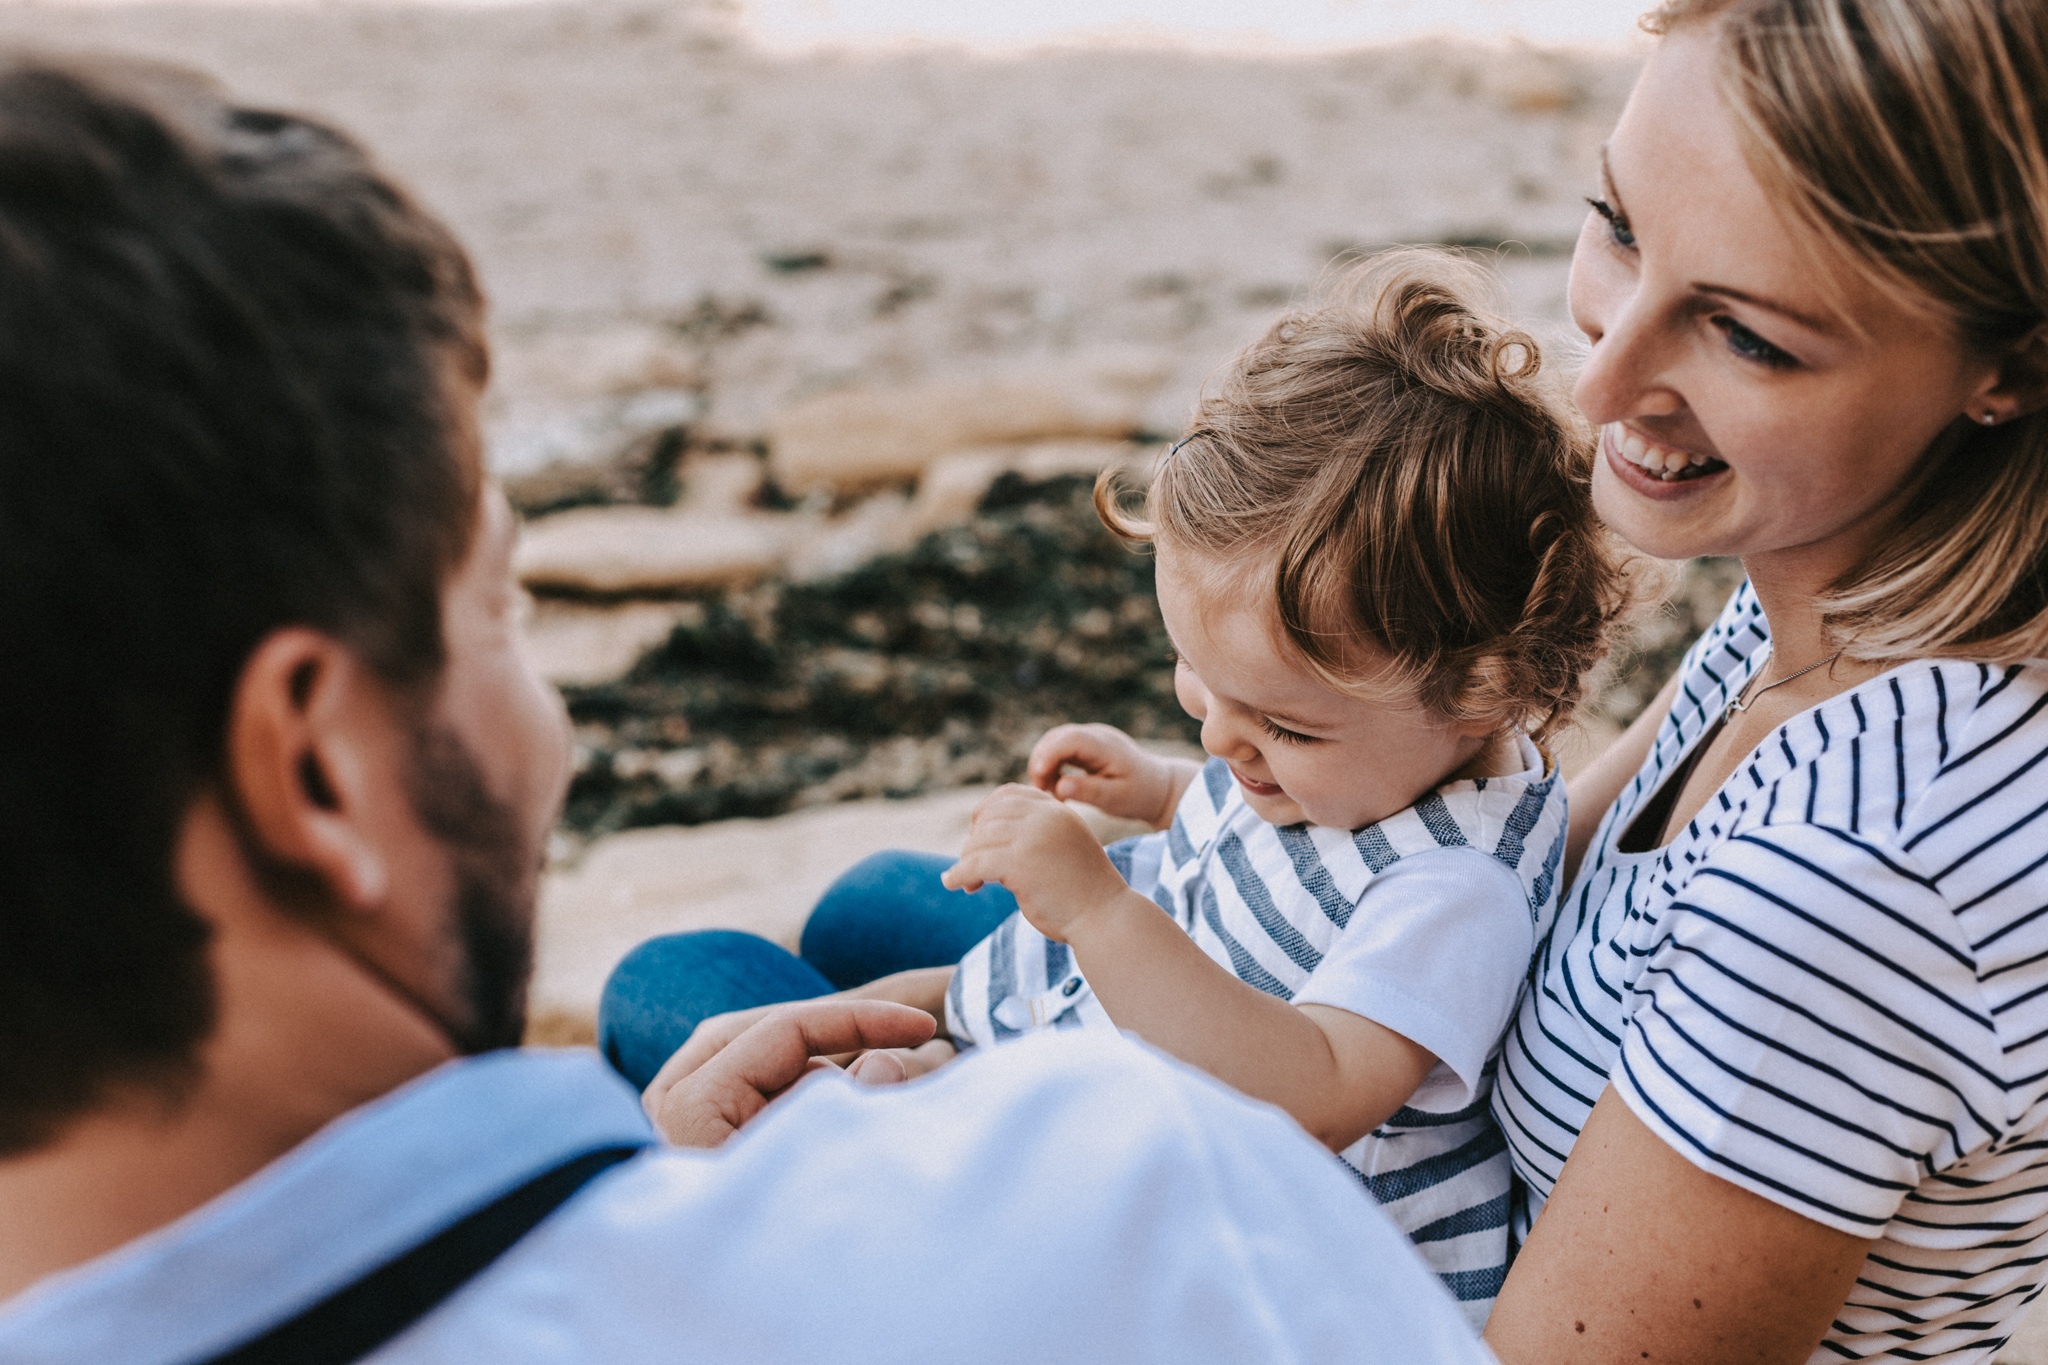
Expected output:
{"points": [[233, 357]]}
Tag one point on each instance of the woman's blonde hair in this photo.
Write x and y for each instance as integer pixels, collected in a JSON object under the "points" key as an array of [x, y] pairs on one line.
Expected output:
{"points": [[1910, 137], [1398, 464]]}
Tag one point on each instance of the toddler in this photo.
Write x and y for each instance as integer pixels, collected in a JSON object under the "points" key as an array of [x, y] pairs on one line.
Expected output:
{"points": [[1383, 578], [1379, 564]]}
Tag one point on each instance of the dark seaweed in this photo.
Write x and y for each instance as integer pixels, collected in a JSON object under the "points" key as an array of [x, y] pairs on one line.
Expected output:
{"points": [[932, 668]]}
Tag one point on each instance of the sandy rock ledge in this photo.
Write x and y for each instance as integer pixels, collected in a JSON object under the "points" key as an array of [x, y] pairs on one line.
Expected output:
{"points": [[762, 876]]}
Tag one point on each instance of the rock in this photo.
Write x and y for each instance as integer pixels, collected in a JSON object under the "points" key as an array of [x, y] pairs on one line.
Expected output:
{"points": [[952, 487], [610, 359], [828, 548], [762, 876], [861, 437], [578, 644], [576, 395], [720, 482], [646, 549]]}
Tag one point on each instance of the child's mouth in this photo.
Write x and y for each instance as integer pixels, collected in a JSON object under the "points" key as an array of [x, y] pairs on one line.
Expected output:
{"points": [[1660, 462], [1253, 787]]}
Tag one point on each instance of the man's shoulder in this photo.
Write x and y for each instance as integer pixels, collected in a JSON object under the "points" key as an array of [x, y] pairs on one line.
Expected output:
{"points": [[1067, 1192]]}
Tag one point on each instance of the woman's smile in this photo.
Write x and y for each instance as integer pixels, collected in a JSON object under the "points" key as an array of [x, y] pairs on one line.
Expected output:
{"points": [[1653, 469]]}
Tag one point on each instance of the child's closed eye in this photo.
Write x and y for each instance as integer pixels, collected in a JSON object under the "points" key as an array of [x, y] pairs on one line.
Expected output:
{"points": [[1285, 735]]}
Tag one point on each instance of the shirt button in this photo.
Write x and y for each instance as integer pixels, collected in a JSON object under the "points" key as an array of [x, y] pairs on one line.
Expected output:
{"points": [[1073, 985]]}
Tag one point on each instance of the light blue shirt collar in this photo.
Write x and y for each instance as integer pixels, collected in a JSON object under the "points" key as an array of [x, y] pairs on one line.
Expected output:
{"points": [[369, 1186]]}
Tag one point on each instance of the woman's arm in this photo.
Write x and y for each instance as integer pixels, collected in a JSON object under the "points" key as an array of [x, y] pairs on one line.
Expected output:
{"points": [[1641, 1255], [1599, 783]]}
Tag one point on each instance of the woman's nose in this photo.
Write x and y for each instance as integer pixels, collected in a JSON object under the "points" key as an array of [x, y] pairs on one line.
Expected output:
{"points": [[1625, 374]]}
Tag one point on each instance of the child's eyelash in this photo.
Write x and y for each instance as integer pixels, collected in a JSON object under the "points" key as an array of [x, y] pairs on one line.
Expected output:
{"points": [[1283, 734], [1617, 223]]}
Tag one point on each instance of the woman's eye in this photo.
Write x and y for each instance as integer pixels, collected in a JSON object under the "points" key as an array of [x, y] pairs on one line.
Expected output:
{"points": [[1617, 225], [1750, 346], [1283, 734]]}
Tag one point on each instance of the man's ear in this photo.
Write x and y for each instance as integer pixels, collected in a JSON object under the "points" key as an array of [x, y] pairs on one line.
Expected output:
{"points": [[310, 750], [2019, 385]]}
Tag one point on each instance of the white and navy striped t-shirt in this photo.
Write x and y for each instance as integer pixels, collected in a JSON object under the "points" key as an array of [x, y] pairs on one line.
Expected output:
{"points": [[1831, 988], [1424, 922]]}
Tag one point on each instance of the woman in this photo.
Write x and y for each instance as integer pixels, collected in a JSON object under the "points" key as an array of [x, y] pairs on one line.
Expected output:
{"points": [[1792, 1027], [1779, 1090]]}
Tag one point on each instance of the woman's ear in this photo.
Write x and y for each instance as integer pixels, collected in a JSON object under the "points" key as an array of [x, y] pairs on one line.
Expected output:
{"points": [[314, 754], [2019, 384]]}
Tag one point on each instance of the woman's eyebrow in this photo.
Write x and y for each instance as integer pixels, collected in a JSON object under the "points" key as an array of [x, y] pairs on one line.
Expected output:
{"points": [[1807, 320], [1810, 321]]}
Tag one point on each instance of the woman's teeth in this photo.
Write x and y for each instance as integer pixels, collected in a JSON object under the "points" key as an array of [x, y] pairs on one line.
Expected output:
{"points": [[1662, 462]]}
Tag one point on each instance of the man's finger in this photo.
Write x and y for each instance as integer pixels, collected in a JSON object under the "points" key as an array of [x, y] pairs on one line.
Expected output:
{"points": [[700, 1047], [878, 1068], [711, 1103]]}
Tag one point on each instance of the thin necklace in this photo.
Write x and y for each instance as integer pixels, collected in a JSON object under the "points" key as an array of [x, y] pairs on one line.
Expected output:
{"points": [[1743, 701]]}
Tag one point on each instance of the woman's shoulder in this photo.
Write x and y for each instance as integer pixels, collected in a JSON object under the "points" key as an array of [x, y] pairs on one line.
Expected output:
{"points": [[1919, 757], [1899, 758]]}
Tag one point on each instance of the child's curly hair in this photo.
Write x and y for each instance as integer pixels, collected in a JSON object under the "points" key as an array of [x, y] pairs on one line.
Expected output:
{"points": [[1414, 483]]}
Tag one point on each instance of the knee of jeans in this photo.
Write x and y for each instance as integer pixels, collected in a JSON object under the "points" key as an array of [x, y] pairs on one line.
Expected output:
{"points": [[872, 886], [651, 980]]}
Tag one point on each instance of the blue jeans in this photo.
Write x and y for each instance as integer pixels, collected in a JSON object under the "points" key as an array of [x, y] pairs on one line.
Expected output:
{"points": [[887, 914]]}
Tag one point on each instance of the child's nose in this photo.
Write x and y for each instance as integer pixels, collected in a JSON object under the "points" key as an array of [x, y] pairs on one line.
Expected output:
{"points": [[1224, 738]]}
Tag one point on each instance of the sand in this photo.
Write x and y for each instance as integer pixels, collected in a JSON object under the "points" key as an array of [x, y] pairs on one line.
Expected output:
{"points": [[676, 227]]}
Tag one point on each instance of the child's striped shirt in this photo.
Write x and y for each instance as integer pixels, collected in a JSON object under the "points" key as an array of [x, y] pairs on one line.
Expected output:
{"points": [[1424, 922]]}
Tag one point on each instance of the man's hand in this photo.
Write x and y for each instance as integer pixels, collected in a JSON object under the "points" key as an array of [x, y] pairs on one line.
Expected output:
{"points": [[704, 1105], [705, 1042], [1114, 775], [1027, 841]]}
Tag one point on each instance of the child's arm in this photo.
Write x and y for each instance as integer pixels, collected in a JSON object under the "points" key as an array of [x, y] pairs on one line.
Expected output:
{"points": [[1111, 773], [1340, 1075]]}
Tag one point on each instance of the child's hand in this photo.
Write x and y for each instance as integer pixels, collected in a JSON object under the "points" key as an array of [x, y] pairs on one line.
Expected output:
{"points": [[1030, 843], [1116, 776]]}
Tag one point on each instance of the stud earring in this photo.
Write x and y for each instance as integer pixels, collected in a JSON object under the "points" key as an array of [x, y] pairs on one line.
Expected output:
{"points": [[1989, 419]]}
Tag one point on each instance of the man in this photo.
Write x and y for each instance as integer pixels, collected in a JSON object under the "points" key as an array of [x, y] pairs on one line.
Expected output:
{"points": [[274, 787]]}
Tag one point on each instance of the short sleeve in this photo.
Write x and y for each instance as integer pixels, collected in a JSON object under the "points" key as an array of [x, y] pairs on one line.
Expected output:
{"points": [[1437, 950], [1808, 1025]]}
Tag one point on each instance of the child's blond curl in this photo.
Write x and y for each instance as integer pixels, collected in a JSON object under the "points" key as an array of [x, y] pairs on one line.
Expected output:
{"points": [[1398, 466]]}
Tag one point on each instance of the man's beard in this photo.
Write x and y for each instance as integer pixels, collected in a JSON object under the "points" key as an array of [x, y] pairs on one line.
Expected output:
{"points": [[496, 872]]}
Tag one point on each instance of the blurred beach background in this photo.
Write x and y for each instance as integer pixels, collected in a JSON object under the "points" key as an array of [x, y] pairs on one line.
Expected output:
{"points": [[814, 321]]}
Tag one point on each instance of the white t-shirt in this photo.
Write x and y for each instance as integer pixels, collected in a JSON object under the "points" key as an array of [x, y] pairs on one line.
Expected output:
{"points": [[1071, 1198], [1424, 922], [1831, 988]]}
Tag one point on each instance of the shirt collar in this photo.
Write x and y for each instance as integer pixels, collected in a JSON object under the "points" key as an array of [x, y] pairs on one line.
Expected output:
{"points": [[368, 1186]]}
